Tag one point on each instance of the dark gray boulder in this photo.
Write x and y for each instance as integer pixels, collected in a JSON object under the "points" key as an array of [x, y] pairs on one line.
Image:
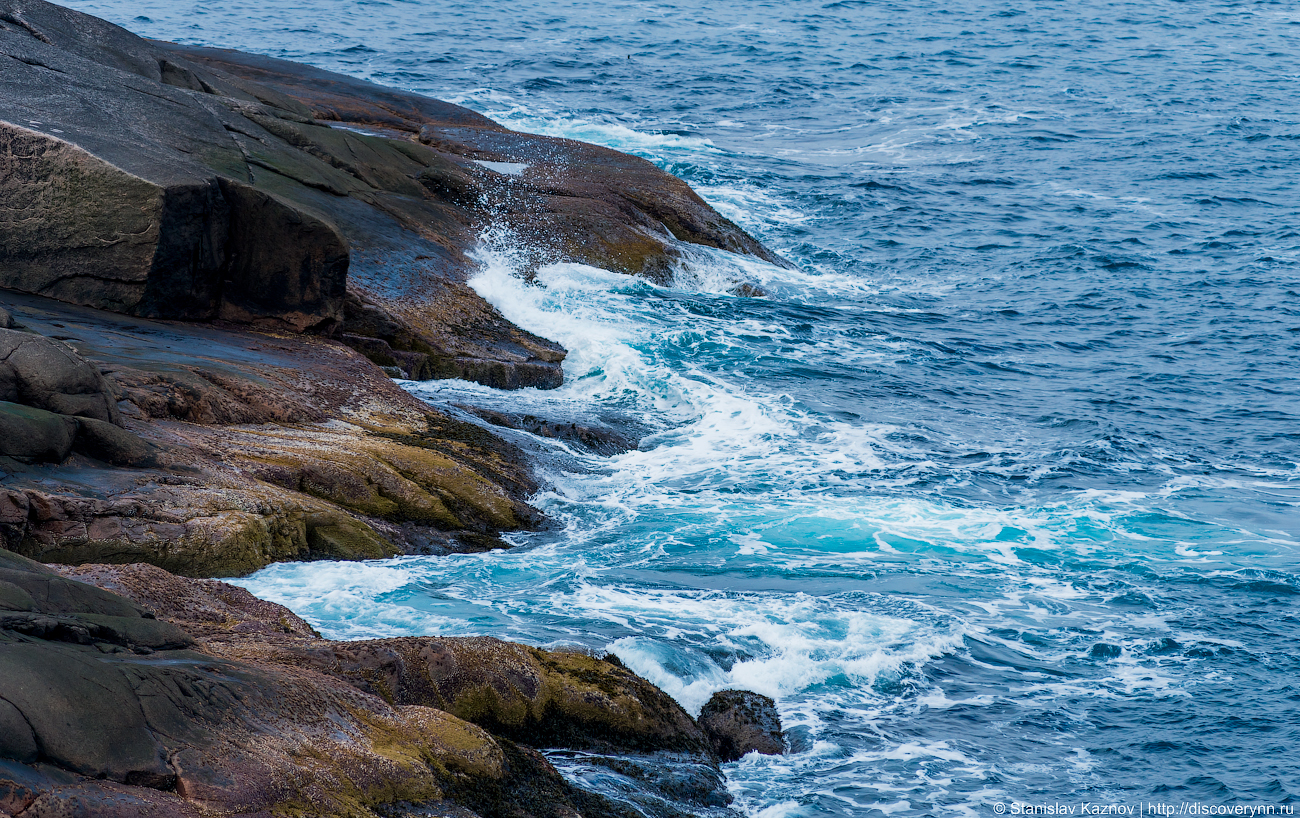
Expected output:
{"points": [[50, 375], [739, 721], [34, 435], [6, 319]]}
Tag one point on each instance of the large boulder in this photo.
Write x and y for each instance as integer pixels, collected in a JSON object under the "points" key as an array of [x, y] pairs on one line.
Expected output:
{"points": [[50, 375]]}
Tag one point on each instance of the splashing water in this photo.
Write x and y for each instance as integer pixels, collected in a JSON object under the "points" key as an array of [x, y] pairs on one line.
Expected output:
{"points": [[996, 492]]}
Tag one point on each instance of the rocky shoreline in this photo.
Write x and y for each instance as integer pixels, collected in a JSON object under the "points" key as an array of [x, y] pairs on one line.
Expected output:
{"points": [[212, 265]]}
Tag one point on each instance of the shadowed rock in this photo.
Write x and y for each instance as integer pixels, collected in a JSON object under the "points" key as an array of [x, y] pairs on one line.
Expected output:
{"points": [[34, 435], [107, 442], [739, 721], [46, 374]]}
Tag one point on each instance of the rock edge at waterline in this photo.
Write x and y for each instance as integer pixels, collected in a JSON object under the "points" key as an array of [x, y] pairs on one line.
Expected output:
{"points": [[228, 255], [129, 691], [167, 181]]}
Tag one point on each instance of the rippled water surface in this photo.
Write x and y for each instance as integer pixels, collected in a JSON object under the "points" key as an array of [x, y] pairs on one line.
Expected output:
{"points": [[997, 493]]}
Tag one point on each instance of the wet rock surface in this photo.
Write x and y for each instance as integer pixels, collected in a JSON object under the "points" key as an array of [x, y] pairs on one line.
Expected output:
{"points": [[598, 439], [739, 721], [455, 719]]}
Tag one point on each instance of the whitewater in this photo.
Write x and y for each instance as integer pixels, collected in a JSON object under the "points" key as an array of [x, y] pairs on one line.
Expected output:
{"points": [[995, 491]]}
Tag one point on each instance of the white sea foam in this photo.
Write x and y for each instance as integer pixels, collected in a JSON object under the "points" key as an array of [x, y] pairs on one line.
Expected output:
{"points": [[344, 599], [785, 643]]}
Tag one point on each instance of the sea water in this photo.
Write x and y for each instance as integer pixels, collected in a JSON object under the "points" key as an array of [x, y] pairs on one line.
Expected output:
{"points": [[996, 492]]}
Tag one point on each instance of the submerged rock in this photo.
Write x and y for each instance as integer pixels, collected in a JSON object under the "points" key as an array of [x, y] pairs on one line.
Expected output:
{"points": [[739, 721]]}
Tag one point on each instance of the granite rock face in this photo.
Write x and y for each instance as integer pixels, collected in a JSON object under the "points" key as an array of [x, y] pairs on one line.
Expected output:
{"points": [[219, 702], [174, 182], [108, 709], [739, 722]]}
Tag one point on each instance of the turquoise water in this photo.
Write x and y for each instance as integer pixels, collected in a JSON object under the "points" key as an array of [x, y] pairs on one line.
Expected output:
{"points": [[996, 494]]}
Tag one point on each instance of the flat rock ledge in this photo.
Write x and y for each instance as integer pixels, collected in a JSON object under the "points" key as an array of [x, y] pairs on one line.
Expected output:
{"points": [[129, 692]]}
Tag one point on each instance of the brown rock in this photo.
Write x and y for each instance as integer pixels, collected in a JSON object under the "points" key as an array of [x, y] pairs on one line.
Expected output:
{"points": [[129, 717], [739, 721]]}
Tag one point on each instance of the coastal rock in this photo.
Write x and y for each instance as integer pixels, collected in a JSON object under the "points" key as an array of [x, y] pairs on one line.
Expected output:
{"points": [[351, 706], [244, 449], [535, 697], [193, 183], [542, 698], [109, 711], [739, 721], [49, 375]]}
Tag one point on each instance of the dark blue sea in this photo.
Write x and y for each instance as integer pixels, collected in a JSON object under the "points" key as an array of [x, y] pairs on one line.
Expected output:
{"points": [[997, 493]]}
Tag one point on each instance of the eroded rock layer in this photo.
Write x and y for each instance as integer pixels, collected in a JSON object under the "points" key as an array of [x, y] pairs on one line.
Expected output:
{"points": [[214, 452]]}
